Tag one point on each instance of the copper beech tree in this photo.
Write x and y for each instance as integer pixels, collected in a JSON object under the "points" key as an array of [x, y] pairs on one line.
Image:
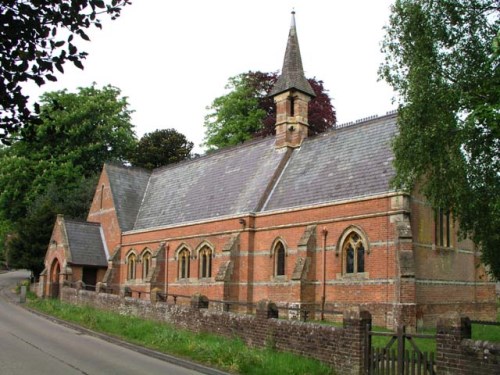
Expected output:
{"points": [[247, 111]]}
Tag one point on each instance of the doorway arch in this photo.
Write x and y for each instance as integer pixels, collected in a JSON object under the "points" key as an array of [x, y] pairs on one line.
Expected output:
{"points": [[55, 271]]}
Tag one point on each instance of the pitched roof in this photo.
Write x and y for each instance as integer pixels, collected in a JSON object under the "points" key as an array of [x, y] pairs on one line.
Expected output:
{"points": [[292, 74], [128, 186], [346, 163], [86, 244], [228, 182]]}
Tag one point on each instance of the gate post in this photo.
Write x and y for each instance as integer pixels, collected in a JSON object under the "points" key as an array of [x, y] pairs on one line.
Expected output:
{"points": [[355, 322], [401, 348]]}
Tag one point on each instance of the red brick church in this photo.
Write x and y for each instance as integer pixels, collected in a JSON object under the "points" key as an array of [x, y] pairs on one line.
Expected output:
{"points": [[302, 221]]}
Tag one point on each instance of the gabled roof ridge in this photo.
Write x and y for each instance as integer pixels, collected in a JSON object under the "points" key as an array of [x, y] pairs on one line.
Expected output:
{"points": [[128, 185], [126, 167], [81, 221], [366, 120], [214, 153]]}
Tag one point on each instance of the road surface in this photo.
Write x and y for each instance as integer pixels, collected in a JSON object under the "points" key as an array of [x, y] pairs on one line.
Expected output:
{"points": [[30, 344]]}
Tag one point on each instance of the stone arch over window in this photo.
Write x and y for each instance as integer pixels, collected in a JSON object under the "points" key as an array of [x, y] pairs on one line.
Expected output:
{"points": [[183, 256], [278, 252], [205, 253], [146, 259], [131, 262], [354, 248]]}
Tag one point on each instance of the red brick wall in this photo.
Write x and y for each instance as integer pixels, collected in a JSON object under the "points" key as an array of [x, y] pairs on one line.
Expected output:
{"points": [[430, 275], [447, 279], [102, 210], [253, 266]]}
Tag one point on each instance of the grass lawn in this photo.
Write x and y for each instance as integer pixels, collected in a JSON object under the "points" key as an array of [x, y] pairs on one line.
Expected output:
{"points": [[230, 355]]}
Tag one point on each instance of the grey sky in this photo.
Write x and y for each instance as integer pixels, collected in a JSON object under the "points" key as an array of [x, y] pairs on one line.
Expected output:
{"points": [[172, 58]]}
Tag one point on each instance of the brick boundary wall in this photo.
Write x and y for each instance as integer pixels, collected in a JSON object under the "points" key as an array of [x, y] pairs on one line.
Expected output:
{"points": [[343, 348], [340, 347], [457, 354]]}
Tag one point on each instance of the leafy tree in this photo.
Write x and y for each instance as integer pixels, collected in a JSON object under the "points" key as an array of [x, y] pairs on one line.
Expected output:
{"points": [[161, 147], [441, 59], [248, 111], [27, 248], [78, 134], [36, 38], [51, 167]]}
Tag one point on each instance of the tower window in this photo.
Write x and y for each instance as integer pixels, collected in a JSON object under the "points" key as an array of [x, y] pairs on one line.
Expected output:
{"points": [[292, 105]]}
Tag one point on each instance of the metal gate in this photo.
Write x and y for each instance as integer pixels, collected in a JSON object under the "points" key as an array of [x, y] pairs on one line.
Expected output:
{"points": [[398, 360]]}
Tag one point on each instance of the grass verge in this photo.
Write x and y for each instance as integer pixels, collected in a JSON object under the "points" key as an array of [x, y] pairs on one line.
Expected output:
{"points": [[230, 355]]}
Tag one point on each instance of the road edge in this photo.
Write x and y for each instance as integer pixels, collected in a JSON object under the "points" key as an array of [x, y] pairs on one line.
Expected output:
{"points": [[9, 296]]}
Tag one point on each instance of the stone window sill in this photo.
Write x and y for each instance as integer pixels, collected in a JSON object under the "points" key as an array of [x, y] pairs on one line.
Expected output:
{"points": [[354, 276]]}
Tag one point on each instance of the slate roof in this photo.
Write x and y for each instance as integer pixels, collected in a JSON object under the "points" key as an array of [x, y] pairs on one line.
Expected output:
{"points": [[86, 244], [228, 182], [346, 163], [128, 186], [292, 73]]}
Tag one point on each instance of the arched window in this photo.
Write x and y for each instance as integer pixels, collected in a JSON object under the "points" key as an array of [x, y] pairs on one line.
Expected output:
{"points": [[102, 197], [205, 257], [354, 254], [279, 259], [183, 259], [131, 262], [146, 264], [442, 228]]}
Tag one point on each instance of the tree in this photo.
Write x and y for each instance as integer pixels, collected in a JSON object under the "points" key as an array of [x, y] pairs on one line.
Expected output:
{"points": [[248, 111], [52, 167], [159, 148], [27, 248], [79, 132], [441, 59], [37, 38]]}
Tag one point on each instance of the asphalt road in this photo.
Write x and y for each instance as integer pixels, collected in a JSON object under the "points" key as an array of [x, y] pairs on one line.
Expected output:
{"points": [[31, 344]]}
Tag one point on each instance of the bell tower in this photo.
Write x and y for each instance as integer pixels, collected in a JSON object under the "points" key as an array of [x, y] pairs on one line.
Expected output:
{"points": [[292, 93]]}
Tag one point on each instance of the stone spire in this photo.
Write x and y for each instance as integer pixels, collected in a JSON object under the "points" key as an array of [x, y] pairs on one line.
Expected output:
{"points": [[292, 74], [292, 93]]}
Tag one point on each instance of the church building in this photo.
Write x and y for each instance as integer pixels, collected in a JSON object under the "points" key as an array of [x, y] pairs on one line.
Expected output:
{"points": [[307, 222]]}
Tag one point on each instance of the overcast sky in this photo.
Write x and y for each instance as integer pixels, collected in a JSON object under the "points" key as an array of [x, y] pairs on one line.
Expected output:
{"points": [[172, 58]]}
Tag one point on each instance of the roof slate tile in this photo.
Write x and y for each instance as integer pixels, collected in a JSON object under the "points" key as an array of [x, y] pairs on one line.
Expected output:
{"points": [[345, 163], [86, 244], [224, 183]]}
